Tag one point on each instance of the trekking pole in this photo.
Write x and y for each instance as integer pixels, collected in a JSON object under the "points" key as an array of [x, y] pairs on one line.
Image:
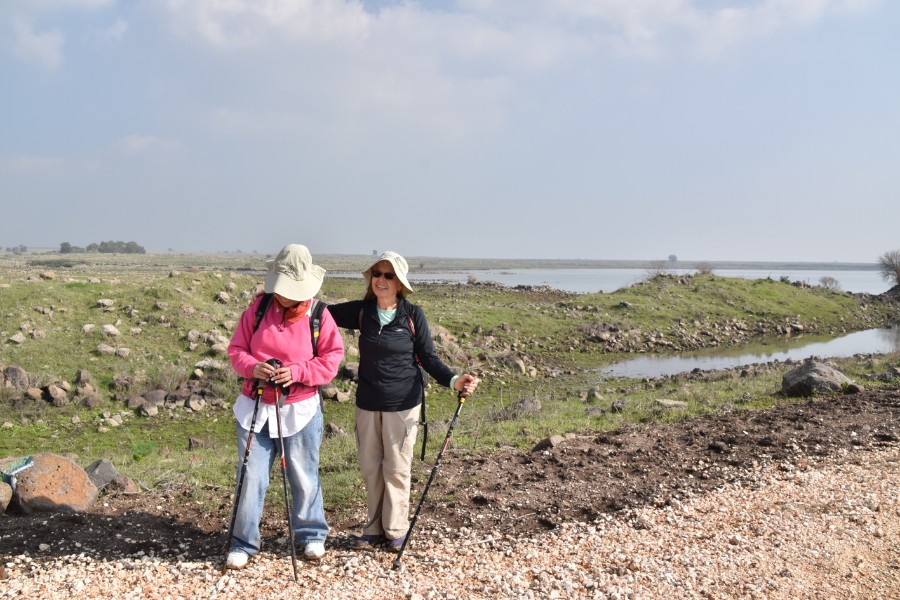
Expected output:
{"points": [[287, 506], [279, 402], [437, 462], [260, 386], [424, 421]]}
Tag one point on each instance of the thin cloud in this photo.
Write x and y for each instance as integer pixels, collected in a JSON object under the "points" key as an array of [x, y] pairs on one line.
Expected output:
{"points": [[135, 145], [242, 23], [653, 28], [36, 166], [41, 48], [111, 34]]}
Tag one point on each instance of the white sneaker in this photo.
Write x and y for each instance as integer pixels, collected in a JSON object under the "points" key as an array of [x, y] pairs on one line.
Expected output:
{"points": [[236, 560], [314, 551]]}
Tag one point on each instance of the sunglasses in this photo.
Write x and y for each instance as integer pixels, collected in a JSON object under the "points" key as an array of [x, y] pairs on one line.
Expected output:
{"points": [[388, 276]]}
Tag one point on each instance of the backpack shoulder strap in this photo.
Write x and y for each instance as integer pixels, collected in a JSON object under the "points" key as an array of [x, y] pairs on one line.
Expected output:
{"points": [[261, 310], [315, 323]]}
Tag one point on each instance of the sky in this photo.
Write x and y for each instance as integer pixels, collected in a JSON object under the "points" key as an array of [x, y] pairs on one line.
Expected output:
{"points": [[750, 130]]}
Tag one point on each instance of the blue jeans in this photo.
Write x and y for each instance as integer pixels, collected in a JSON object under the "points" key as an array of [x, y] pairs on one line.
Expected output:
{"points": [[302, 466]]}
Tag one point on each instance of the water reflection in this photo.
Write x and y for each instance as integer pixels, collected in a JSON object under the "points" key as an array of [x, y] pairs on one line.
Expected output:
{"points": [[872, 341]]}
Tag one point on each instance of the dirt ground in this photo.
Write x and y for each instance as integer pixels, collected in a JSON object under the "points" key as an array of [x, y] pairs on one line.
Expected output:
{"points": [[516, 493]]}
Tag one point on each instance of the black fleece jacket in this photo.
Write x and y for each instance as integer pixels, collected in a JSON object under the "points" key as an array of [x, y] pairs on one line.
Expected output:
{"points": [[389, 378]]}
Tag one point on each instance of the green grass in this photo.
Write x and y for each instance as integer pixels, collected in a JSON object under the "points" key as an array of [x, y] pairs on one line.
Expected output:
{"points": [[155, 311]]}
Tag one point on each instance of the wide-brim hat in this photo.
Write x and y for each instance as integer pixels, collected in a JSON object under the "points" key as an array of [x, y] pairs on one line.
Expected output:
{"points": [[400, 269], [293, 275]]}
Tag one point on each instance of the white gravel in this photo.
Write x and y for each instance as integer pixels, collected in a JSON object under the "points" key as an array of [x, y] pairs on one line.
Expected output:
{"points": [[829, 530]]}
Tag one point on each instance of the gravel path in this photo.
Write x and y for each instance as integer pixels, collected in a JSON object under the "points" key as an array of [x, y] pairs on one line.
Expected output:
{"points": [[792, 530]]}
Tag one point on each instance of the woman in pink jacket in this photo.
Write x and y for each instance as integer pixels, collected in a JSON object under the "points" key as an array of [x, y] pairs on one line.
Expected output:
{"points": [[283, 333]]}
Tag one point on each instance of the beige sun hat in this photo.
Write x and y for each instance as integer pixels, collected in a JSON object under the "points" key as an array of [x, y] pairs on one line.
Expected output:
{"points": [[400, 268], [293, 275]]}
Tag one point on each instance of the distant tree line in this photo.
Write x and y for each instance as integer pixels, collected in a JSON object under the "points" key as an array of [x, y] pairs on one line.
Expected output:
{"points": [[104, 247], [20, 249]]}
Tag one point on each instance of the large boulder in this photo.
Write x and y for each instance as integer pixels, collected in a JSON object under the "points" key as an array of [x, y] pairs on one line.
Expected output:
{"points": [[6, 494], [813, 377], [54, 484]]}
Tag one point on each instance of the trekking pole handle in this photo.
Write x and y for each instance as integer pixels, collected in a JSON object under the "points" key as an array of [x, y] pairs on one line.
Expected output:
{"points": [[277, 364]]}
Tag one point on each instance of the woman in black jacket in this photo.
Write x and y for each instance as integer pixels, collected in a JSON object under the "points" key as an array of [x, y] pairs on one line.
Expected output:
{"points": [[394, 339]]}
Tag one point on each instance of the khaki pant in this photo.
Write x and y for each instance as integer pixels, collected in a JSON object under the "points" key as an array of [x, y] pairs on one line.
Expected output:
{"points": [[384, 445]]}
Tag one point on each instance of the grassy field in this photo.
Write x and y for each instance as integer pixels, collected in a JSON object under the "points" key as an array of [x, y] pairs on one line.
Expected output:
{"points": [[156, 301]]}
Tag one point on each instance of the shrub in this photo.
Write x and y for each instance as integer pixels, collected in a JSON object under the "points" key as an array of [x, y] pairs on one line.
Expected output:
{"points": [[889, 264], [830, 283]]}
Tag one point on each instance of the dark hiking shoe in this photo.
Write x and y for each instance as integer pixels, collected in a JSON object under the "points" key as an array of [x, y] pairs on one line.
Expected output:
{"points": [[367, 541], [396, 545]]}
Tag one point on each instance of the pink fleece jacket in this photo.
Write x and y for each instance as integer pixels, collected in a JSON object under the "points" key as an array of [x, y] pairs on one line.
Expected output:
{"points": [[290, 343]]}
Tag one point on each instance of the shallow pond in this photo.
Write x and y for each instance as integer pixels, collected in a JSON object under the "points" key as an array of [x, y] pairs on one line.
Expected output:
{"points": [[872, 341]]}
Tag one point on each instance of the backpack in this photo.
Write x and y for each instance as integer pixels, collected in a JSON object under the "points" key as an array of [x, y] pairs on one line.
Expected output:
{"points": [[423, 420], [315, 322]]}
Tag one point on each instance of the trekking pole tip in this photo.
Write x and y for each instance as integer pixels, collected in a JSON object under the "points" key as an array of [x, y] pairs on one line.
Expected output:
{"points": [[396, 564]]}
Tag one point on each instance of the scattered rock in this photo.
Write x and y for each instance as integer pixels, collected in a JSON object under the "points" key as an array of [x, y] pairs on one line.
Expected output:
{"points": [[332, 430], [351, 370], [16, 377], [155, 397], [550, 442], [329, 391], [210, 364], [91, 401], [17, 338], [56, 395], [135, 402], [83, 376], [813, 377], [106, 303], [196, 403], [101, 472], [670, 404], [123, 485], [110, 331], [525, 406], [106, 349]]}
